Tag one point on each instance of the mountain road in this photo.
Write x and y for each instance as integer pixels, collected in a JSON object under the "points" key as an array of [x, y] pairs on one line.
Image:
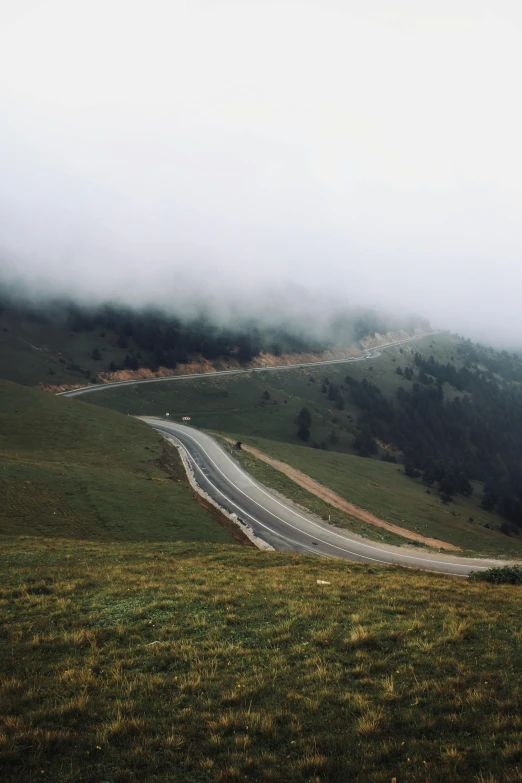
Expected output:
{"points": [[370, 353], [285, 526]]}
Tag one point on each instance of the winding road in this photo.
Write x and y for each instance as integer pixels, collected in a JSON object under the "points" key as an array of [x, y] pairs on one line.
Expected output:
{"points": [[271, 518], [283, 525], [370, 353]]}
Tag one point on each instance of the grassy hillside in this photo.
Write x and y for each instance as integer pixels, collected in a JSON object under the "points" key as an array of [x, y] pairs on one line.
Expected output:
{"points": [[34, 351], [69, 469], [235, 404], [228, 403], [266, 405], [194, 662], [379, 488]]}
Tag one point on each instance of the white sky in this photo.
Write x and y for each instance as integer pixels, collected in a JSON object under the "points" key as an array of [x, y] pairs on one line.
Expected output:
{"points": [[371, 150]]}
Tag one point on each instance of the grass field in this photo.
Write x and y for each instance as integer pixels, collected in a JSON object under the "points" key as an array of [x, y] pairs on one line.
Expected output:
{"points": [[382, 371], [379, 488], [194, 662], [235, 403], [69, 469]]}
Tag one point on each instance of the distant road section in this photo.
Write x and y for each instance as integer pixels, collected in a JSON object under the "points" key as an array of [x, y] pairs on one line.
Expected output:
{"points": [[371, 353], [285, 526]]}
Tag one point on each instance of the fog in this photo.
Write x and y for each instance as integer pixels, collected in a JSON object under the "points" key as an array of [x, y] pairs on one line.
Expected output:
{"points": [[261, 154]]}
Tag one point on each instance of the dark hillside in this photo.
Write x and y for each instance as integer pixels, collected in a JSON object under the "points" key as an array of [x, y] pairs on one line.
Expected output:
{"points": [[455, 424], [65, 343]]}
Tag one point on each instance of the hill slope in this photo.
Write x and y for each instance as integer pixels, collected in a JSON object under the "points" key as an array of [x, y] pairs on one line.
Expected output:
{"points": [[69, 469], [381, 489], [237, 403], [194, 662], [64, 343], [449, 411]]}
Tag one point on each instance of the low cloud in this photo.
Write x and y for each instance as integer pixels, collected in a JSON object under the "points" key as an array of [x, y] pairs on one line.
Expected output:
{"points": [[266, 157]]}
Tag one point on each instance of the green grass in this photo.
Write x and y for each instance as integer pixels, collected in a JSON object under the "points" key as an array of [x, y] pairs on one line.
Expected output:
{"points": [[69, 469], [380, 488], [234, 404], [195, 662], [35, 351], [382, 370]]}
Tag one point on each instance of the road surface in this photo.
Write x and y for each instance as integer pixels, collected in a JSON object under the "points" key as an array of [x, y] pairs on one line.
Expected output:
{"points": [[283, 525], [370, 353]]}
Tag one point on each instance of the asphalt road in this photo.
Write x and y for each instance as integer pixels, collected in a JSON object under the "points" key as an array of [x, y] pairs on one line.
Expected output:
{"points": [[285, 526], [371, 353]]}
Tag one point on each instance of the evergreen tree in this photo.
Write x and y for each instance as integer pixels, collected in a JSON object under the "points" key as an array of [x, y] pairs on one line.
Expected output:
{"points": [[304, 421]]}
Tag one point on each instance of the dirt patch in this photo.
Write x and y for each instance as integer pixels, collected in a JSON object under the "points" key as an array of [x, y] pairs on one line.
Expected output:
{"points": [[204, 366], [389, 447], [54, 388], [331, 497], [375, 340]]}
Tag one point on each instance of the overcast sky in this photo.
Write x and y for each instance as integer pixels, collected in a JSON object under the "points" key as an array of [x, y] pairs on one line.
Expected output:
{"points": [[369, 150]]}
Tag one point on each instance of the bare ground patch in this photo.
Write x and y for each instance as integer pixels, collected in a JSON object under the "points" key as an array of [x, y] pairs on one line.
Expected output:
{"points": [[331, 497]]}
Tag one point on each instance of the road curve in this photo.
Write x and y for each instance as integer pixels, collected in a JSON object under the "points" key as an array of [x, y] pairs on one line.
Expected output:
{"points": [[370, 353], [283, 525]]}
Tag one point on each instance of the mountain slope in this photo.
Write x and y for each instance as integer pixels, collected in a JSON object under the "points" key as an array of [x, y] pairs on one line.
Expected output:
{"points": [[59, 343], [446, 410], [69, 469]]}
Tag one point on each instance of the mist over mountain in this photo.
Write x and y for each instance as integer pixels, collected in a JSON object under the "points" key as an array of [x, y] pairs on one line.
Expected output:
{"points": [[165, 337], [252, 156]]}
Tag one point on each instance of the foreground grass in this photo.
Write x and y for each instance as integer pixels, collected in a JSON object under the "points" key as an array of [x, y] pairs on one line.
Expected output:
{"points": [[69, 469], [380, 488], [196, 662]]}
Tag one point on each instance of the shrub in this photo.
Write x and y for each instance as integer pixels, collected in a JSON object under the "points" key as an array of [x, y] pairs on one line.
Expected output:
{"points": [[506, 575]]}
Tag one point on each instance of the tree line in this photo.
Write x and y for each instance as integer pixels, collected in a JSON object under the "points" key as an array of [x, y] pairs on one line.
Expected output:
{"points": [[154, 338], [452, 439]]}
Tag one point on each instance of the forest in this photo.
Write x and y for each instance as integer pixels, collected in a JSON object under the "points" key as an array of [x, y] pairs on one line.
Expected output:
{"points": [[154, 338], [455, 425]]}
